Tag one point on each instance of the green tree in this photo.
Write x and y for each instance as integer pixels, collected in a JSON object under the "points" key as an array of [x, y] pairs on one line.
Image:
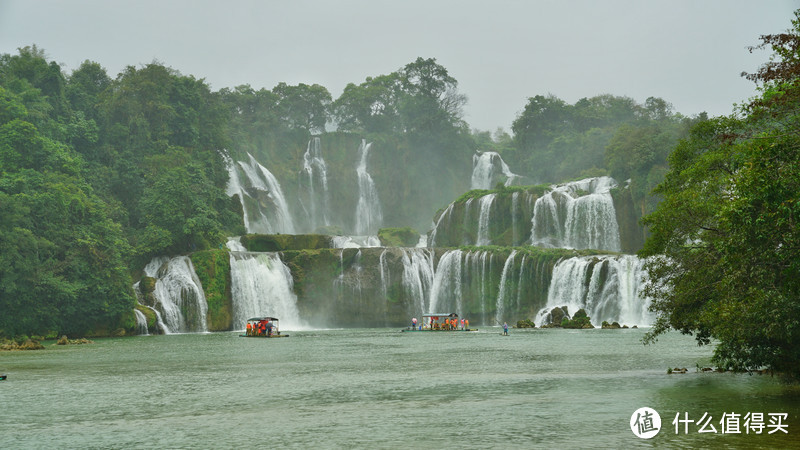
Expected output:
{"points": [[430, 101], [725, 248], [371, 107], [303, 106], [62, 259]]}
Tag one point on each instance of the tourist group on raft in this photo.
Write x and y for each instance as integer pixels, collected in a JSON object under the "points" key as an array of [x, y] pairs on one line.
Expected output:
{"points": [[260, 328], [450, 323]]}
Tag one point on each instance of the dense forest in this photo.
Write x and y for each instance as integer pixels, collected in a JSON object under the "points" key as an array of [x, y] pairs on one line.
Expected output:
{"points": [[98, 174]]}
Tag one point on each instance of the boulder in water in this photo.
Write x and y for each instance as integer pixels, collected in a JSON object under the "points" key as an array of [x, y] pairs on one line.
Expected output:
{"points": [[525, 323], [555, 317]]}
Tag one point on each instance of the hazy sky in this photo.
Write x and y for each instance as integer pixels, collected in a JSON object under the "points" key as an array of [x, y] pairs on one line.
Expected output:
{"points": [[689, 52]]}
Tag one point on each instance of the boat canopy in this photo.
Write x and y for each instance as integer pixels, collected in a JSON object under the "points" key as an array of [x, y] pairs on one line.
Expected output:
{"points": [[259, 319], [441, 315]]}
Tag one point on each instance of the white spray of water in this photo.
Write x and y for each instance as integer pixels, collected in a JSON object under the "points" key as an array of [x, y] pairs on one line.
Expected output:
{"points": [[578, 215], [141, 323], [262, 285], [485, 204], [418, 276], [273, 218], [446, 289], [486, 167], [501, 293], [179, 295], [613, 293], [234, 244], [356, 241]]}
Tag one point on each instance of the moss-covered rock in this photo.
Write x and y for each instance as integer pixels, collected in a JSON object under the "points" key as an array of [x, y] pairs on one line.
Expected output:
{"points": [[213, 268], [578, 321], [281, 242], [509, 219], [147, 284], [525, 323], [398, 237], [555, 317]]}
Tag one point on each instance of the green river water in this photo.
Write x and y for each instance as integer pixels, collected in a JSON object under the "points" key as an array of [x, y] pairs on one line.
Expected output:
{"points": [[380, 388]]}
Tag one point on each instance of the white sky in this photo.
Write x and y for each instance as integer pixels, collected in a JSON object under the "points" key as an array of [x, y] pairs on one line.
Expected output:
{"points": [[689, 52]]}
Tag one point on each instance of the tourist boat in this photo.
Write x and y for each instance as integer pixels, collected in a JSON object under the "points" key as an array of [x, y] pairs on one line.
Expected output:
{"points": [[263, 327], [3, 377], [439, 322]]}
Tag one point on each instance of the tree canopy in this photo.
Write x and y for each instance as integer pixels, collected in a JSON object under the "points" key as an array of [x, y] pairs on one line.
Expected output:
{"points": [[725, 250]]}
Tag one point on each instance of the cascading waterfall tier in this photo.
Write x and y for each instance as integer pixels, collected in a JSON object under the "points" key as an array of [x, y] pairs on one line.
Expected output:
{"points": [[178, 296], [418, 275], [387, 286], [607, 287], [488, 168], [262, 285], [577, 215], [495, 218], [263, 202], [369, 216]]}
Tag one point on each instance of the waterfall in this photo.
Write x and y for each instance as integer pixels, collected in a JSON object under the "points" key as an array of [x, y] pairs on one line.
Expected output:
{"points": [[514, 207], [501, 292], [446, 288], [179, 297], [262, 285], [577, 215], [385, 274], [315, 183], [368, 210], [356, 241], [519, 285], [265, 207], [607, 287], [444, 217], [487, 167], [235, 188], [418, 276], [485, 204], [234, 244], [141, 323]]}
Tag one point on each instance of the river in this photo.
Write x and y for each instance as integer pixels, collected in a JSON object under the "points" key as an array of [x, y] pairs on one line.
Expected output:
{"points": [[380, 388]]}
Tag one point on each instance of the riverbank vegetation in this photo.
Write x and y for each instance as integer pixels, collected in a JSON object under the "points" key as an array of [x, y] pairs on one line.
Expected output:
{"points": [[725, 247]]}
